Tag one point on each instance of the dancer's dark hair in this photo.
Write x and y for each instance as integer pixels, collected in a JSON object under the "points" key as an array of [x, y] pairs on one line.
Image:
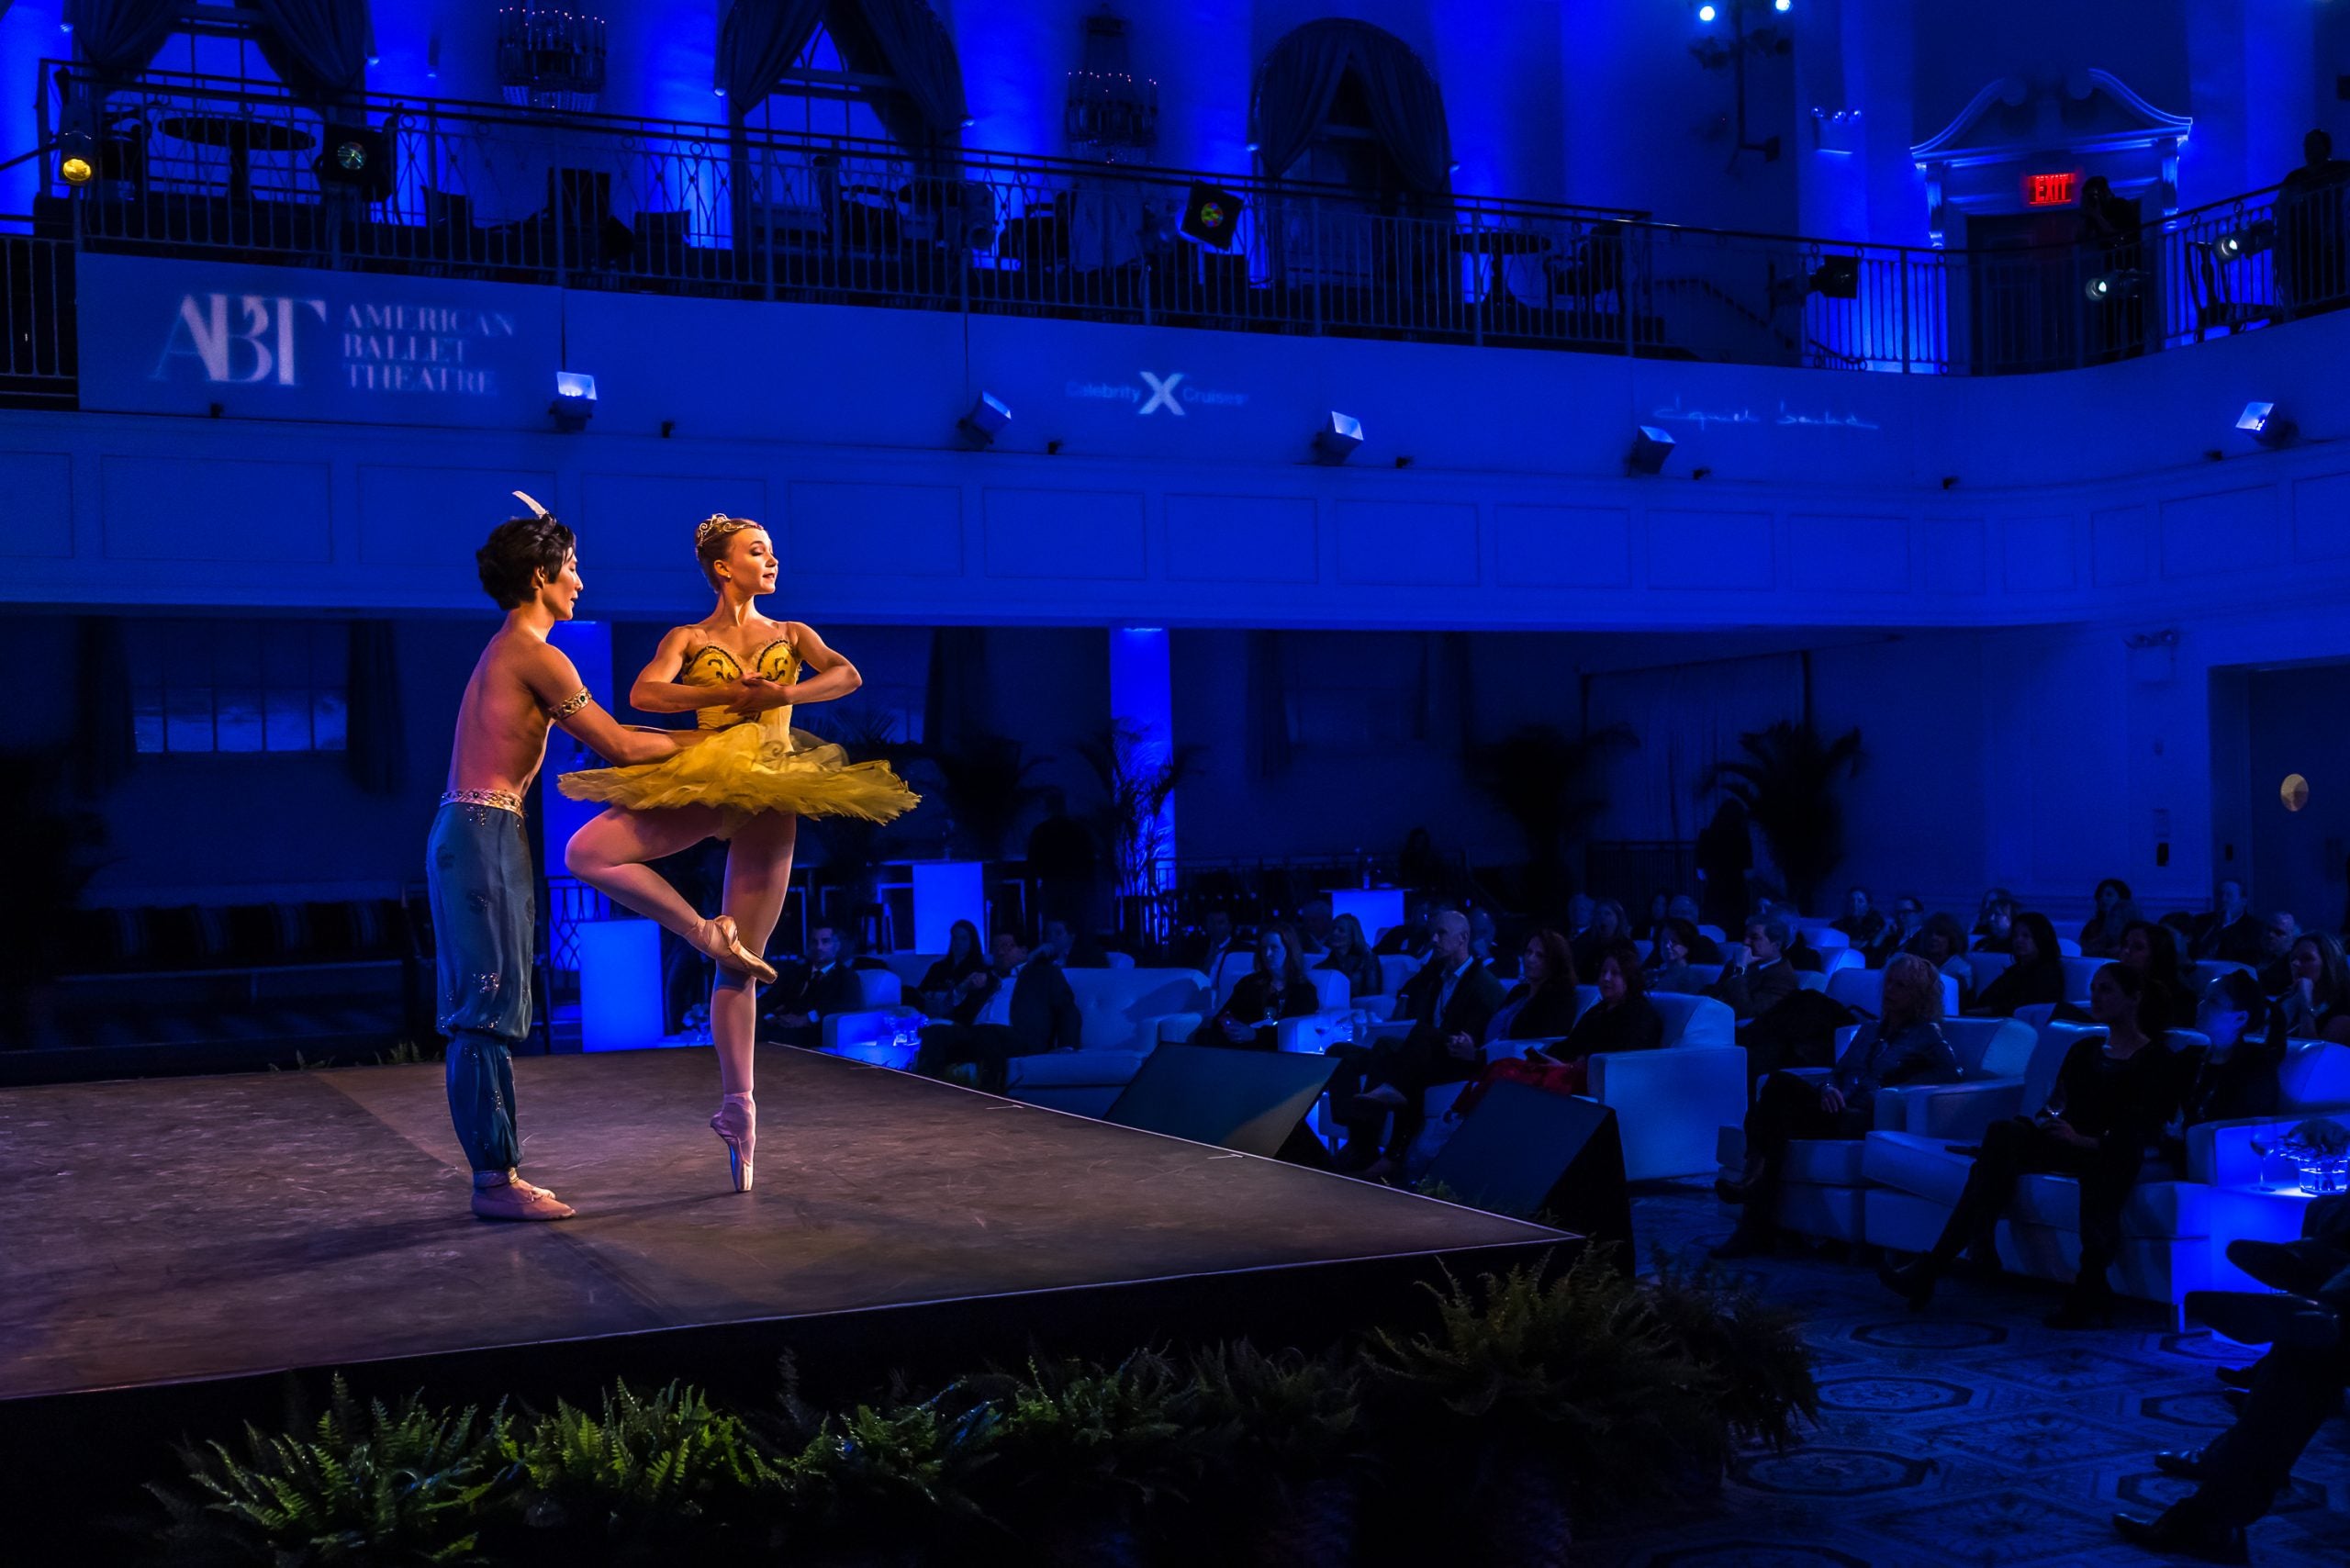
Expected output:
{"points": [[518, 553]]}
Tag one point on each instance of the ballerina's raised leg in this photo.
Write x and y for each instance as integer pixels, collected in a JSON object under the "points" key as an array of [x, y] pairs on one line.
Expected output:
{"points": [[609, 855], [758, 875]]}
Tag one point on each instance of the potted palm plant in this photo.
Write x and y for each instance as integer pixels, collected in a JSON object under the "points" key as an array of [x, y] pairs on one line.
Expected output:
{"points": [[1546, 780], [1788, 781], [984, 779], [1138, 778]]}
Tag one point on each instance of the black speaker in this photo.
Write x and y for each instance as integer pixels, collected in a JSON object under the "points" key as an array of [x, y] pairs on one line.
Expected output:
{"points": [[1523, 1151], [1211, 215], [1251, 1101]]}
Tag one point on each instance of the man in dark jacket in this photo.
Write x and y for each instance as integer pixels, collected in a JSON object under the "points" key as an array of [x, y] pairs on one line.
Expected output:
{"points": [[1448, 1003], [1028, 1011], [1760, 977], [794, 1015], [2230, 932]]}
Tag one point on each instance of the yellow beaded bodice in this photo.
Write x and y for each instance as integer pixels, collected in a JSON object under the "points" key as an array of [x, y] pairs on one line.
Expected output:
{"points": [[713, 666]]}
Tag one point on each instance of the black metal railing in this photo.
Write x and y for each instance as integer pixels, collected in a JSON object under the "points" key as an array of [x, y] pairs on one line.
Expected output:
{"points": [[37, 367], [190, 164]]}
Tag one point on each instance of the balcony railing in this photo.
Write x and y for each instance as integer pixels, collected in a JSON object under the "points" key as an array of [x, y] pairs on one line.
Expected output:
{"points": [[193, 165]]}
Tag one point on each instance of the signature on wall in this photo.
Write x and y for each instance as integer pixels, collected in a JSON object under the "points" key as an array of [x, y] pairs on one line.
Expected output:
{"points": [[1676, 412]]}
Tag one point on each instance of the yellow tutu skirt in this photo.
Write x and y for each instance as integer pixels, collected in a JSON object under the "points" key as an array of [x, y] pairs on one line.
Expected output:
{"points": [[747, 768]]}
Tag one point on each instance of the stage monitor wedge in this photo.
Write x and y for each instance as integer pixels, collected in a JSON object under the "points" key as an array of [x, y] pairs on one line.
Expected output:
{"points": [[1251, 1101], [1557, 1156]]}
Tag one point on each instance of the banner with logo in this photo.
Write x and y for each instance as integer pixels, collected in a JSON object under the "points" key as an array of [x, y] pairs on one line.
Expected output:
{"points": [[177, 337]]}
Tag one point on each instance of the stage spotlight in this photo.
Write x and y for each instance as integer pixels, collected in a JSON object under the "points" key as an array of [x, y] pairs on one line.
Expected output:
{"points": [[1706, 14], [2248, 241], [1337, 437], [1783, 5], [575, 400], [358, 157], [1211, 215], [77, 143], [1650, 447], [2266, 424], [986, 420], [1836, 277], [2119, 285]]}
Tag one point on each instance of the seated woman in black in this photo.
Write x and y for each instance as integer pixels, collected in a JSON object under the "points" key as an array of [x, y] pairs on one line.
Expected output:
{"points": [[1669, 959], [2114, 1095], [2233, 1077], [1350, 956], [2101, 937], [2153, 951], [1621, 1020], [943, 984], [2035, 978], [1904, 1047], [2316, 1006], [1276, 988], [1941, 942], [1541, 1006]]}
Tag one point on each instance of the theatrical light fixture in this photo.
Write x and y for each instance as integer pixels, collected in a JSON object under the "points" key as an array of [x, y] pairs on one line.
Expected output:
{"points": [[1650, 447], [2250, 240], [77, 143], [575, 400], [1836, 277], [1337, 438], [357, 158], [1782, 5], [987, 419], [2265, 424], [2119, 284], [1706, 12]]}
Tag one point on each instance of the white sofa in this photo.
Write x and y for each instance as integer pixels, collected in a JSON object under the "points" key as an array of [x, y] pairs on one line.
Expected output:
{"points": [[1824, 1181], [2176, 1224]]}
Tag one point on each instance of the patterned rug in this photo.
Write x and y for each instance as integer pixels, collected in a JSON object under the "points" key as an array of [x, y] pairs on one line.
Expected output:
{"points": [[1969, 1434]]}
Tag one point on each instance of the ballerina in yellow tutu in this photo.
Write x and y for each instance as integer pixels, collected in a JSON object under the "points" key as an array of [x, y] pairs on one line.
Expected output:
{"points": [[748, 778]]}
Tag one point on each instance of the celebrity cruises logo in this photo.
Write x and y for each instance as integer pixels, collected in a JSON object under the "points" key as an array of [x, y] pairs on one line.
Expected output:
{"points": [[251, 340], [1174, 392]]}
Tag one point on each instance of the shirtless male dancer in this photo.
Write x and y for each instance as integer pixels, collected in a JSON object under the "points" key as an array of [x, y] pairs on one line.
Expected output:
{"points": [[477, 864]]}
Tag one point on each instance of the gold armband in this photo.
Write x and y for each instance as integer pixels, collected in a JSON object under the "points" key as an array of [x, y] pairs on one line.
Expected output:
{"points": [[564, 709]]}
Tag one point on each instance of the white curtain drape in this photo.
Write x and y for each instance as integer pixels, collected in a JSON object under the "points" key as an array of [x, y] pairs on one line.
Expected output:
{"points": [[1687, 718]]}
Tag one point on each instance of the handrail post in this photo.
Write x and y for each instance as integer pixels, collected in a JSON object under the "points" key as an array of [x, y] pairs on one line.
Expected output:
{"points": [[1313, 251], [1903, 274], [1477, 258]]}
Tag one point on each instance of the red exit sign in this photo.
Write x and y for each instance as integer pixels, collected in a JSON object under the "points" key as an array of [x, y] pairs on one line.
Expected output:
{"points": [[2052, 190]]}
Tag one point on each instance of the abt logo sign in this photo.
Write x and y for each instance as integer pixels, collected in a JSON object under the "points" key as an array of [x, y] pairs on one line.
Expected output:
{"points": [[240, 339]]}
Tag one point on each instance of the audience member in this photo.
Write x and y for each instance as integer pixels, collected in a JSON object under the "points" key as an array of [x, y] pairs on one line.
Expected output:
{"points": [[1906, 1045], [2101, 937], [1705, 949], [1941, 942], [1448, 1005], [2152, 950], [1276, 988], [1660, 910], [2231, 933], [2312, 242], [2234, 1076], [2034, 977], [1668, 963], [2277, 933], [1485, 940], [1995, 932], [1757, 976], [1621, 1020], [1204, 949], [1908, 919], [1314, 921], [961, 971], [2316, 1005], [1068, 947], [1411, 939], [1861, 922], [1542, 1006], [1028, 1009], [794, 1015], [2113, 1096], [1349, 952], [1608, 926]]}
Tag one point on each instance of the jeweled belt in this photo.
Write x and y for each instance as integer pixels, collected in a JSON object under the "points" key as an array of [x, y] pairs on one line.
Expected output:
{"points": [[501, 799]]}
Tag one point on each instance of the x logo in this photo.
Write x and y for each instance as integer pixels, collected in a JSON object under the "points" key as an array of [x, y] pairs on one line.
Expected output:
{"points": [[1162, 392]]}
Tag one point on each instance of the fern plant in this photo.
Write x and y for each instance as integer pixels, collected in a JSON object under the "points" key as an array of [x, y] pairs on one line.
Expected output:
{"points": [[380, 1485], [1290, 1444], [646, 1472], [898, 1474], [1753, 1354]]}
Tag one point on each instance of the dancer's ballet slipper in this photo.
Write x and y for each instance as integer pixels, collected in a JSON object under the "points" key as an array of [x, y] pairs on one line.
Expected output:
{"points": [[722, 940], [737, 1122]]}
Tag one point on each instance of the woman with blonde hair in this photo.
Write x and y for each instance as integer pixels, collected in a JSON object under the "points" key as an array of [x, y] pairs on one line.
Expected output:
{"points": [[748, 778]]}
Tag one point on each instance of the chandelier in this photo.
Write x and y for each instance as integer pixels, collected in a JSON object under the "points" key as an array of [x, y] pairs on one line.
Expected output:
{"points": [[1110, 112], [549, 58]]}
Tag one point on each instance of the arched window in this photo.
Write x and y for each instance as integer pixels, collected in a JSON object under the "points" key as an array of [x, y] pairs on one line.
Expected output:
{"points": [[830, 59], [1341, 102]]}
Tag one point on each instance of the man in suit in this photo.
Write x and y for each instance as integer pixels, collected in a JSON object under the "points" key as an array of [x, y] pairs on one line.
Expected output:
{"points": [[1759, 976], [2231, 933], [1029, 1010], [1204, 949], [796, 1016], [1448, 1002], [1066, 946], [2278, 934]]}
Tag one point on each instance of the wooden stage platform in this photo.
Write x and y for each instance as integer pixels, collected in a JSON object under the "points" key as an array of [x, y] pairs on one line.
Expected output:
{"points": [[171, 1248]]}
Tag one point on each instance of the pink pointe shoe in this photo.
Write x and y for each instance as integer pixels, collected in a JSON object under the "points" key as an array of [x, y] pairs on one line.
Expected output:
{"points": [[737, 1122]]}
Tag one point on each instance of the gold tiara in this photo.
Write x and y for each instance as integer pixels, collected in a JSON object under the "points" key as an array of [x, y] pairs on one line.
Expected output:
{"points": [[718, 525]]}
